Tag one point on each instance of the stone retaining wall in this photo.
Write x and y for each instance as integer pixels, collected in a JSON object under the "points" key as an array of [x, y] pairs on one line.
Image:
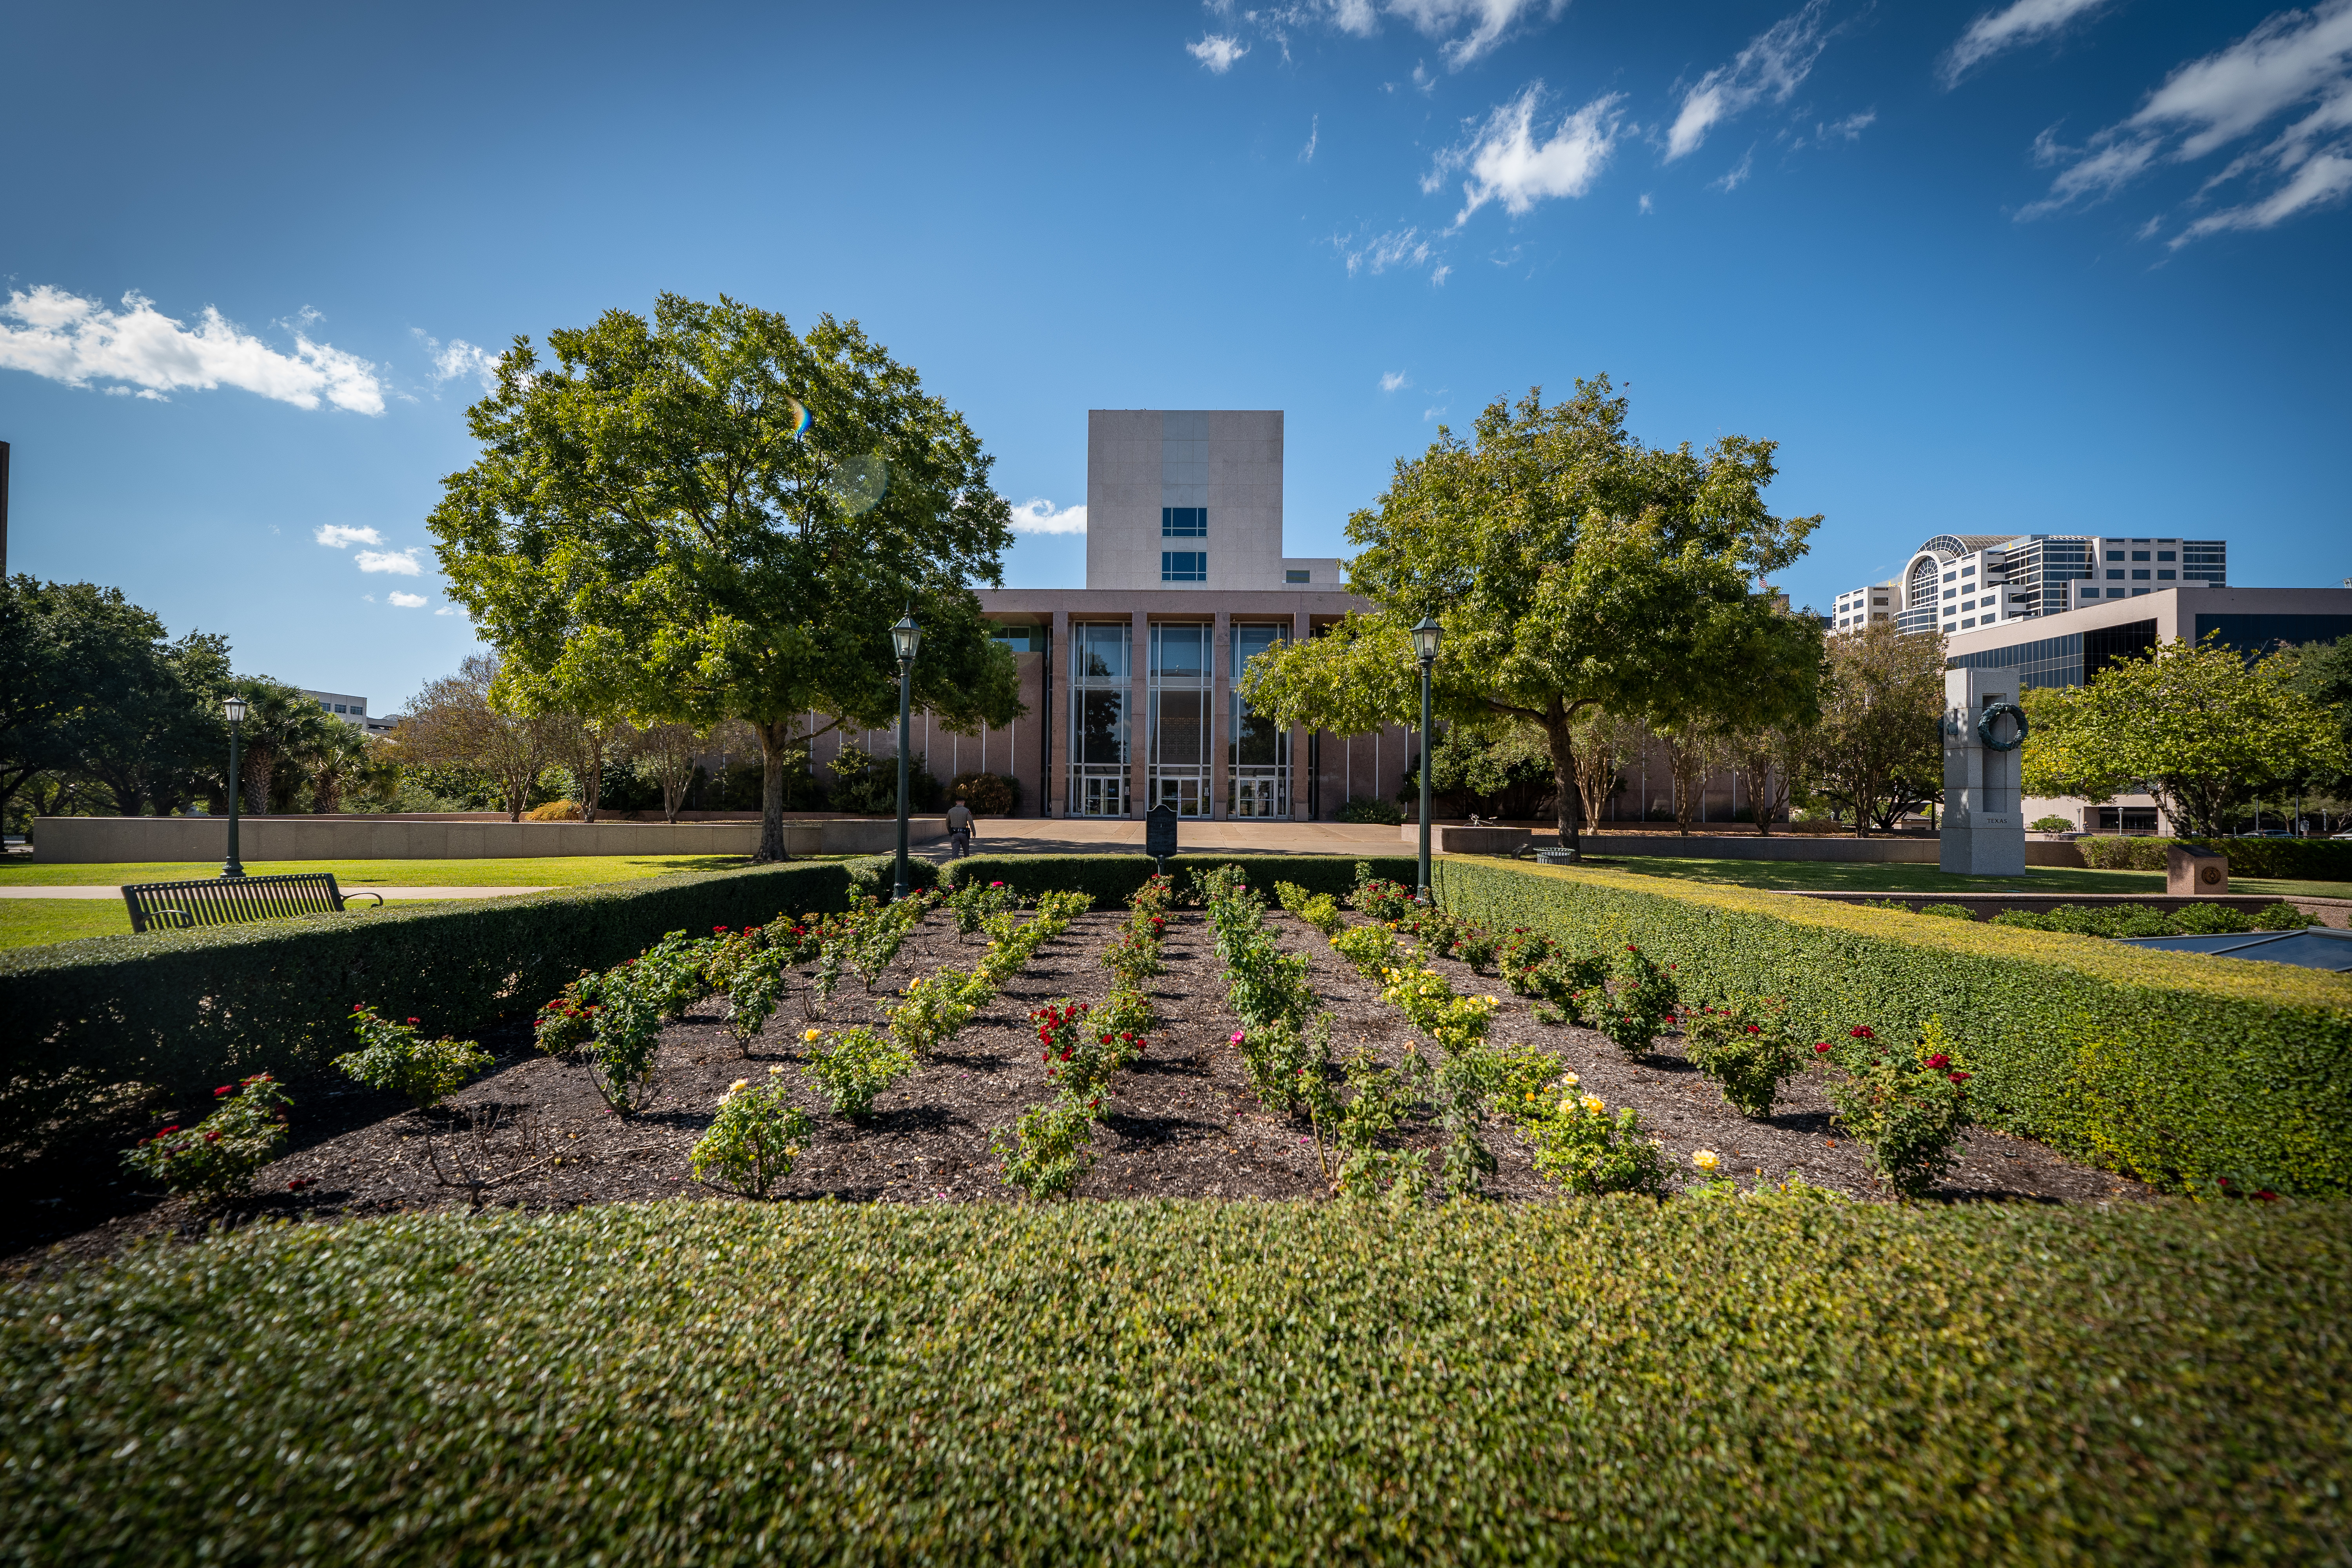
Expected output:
{"points": [[146, 838]]}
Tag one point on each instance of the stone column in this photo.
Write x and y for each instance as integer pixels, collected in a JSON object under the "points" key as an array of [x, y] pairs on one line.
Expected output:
{"points": [[1983, 832], [1222, 675], [1054, 800], [1139, 721]]}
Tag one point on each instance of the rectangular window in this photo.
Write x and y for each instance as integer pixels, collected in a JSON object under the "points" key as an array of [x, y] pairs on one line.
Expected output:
{"points": [[1968, 571], [1183, 566], [1970, 622], [1968, 604], [2139, 573], [1949, 577], [2140, 555], [2115, 555], [1293, 574], [2164, 555], [1019, 639], [2164, 574], [1949, 594], [1184, 523], [2114, 575]]}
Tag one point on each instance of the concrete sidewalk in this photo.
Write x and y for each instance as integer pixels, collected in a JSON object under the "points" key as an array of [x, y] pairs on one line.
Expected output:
{"points": [[86, 891], [1082, 835]]}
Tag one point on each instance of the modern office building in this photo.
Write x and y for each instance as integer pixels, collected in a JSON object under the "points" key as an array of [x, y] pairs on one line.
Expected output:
{"points": [[2069, 647], [1129, 682], [1964, 582], [352, 710]]}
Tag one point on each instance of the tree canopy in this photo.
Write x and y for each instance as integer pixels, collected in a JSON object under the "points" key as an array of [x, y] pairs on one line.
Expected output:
{"points": [[707, 516], [1572, 568], [2197, 725]]}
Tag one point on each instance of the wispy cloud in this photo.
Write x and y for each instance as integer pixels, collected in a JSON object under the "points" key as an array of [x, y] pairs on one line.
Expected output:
{"points": [[1506, 161], [1395, 247], [80, 341], [408, 600], [1772, 67], [449, 610], [1394, 379], [1218, 51], [1850, 128], [1646, 208], [2294, 60], [335, 536], [399, 563], [1466, 29], [1737, 175], [1037, 515], [1313, 134], [458, 359], [2013, 26]]}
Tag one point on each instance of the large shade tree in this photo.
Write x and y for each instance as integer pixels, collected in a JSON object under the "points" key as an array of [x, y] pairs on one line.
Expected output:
{"points": [[2199, 726], [1878, 749], [707, 516], [1573, 568]]}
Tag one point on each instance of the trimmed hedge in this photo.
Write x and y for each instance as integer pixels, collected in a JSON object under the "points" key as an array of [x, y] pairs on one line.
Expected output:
{"points": [[2180, 1068], [83, 1021], [1113, 879], [1592, 1381], [2304, 860]]}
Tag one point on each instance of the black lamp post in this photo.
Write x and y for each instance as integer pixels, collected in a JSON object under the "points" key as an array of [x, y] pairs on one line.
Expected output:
{"points": [[1425, 638], [234, 708], [905, 637]]}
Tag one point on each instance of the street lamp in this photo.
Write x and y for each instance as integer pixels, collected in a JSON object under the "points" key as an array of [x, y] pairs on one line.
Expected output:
{"points": [[233, 708], [1425, 638], [905, 637]]}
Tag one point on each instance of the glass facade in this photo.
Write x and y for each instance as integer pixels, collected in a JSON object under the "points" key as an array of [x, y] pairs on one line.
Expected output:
{"points": [[2260, 633], [1098, 720], [1257, 751], [2068, 660], [1184, 523], [1183, 566], [1179, 690]]}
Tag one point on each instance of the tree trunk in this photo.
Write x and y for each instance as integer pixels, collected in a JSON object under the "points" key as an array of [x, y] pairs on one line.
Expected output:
{"points": [[775, 739], [592, 786], [258, 762], [1561, 740]]}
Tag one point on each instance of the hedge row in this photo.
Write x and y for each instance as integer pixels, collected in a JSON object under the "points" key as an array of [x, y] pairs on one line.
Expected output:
{"points": [[1596, 1381], [2180, 1068], [84, 1022], [1113, 879], [2309, 859]]}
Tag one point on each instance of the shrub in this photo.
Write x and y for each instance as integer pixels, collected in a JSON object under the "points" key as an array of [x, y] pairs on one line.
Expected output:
{"points": [[937, 1006], [1048, 1150], [988, 794], [1583, 1148], [1373, 809], [2050, 824], [174, 1010], [1371, 949], [970, 903], [2315, 860], [626, 1042], [393, 1057], [1449, 1022], [752, 1143], [1642, 1005], [214, 1160], [1948, 912], [1380, 898], [2145, 919], [568, 1022], [1383, 1097], [754, 989], [1113, 879], [556, 810], [1907, 1106], [2180, 1070], [854, 1067], [1747, 1049], [1320, 910]]}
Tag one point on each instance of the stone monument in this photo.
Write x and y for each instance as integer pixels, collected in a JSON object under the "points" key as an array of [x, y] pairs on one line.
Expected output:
{"points": [[2193, 873], [1984, 735]]}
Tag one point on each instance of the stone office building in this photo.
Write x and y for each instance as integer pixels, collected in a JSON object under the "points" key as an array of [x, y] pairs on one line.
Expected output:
{"points": [[1129, 681]]}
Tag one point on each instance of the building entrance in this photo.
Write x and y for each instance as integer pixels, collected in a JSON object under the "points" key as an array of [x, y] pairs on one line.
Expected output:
{"points": [[1180, 690], [1098, 694], [1257, 756]]}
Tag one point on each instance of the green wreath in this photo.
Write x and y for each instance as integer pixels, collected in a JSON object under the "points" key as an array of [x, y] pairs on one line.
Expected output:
{"points": [[1984, 726]]}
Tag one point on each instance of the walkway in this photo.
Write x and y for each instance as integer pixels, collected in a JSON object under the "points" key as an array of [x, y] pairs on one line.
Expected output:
{"points": [[1083, 836], [87, 891]]}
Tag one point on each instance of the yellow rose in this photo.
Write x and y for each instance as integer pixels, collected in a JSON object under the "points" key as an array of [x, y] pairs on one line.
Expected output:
{"points": [[1592, 1103], [812, 1033], [1569, 1079], [1705, 1160]]}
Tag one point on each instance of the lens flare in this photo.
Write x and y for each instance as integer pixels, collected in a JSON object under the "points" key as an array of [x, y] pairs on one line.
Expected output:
{"points": [[800, 416], [856, 483]]}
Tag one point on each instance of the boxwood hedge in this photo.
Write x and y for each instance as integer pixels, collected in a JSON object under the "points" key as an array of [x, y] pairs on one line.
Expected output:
{"points": [[1598, 1381], [82, 1022], [2180, 1068], [1113, 879], [2315, 860]]}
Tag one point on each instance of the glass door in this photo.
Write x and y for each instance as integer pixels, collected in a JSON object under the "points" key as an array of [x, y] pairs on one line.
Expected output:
{"points": [[1098, 694], [1179, 717], [1257, 756]]}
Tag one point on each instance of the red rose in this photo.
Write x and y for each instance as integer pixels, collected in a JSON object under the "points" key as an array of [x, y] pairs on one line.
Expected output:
{"points": [[1960, 1077], [1939, 1061], [2266, 1195], [411, 1020], [223, 1090], [167, 1133], [1821, 1048], [1862, 1032], [212, 1137]]}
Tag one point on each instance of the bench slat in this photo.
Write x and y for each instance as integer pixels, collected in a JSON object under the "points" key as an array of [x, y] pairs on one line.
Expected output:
{"points": [[234, 900]]}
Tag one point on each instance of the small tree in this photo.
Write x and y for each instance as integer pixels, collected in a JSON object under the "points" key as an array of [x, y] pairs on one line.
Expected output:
{"points": [[455, 723], [2199, 726], [1605, 742], [1879, 743]]}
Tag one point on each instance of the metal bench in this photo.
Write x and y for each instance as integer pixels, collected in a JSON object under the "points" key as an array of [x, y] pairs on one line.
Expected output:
{"points": [[232, 901]]}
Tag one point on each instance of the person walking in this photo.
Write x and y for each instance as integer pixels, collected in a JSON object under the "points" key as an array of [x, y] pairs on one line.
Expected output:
{"points": [[960, 824]]}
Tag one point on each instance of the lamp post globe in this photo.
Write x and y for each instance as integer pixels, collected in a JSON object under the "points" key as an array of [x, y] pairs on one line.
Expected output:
{"points": [[233, 709], [906, 637], [1425, 638]]}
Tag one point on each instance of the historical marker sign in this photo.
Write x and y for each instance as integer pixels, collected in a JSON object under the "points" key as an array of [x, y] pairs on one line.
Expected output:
{"points": [[1160, 831]]}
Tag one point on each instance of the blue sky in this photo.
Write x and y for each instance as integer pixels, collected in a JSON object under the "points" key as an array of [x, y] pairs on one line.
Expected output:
{"points": [[2054, 264]]}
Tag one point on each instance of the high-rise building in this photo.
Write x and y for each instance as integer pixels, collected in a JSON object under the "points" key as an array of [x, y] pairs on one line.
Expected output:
{"points": [[1960, 582]]}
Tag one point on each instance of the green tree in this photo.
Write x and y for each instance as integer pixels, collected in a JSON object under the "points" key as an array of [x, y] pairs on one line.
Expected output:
{"points": [[2322, 671], [2197, 725], [707, 516], [1572, 568], [163, 733], [1878, 749]]}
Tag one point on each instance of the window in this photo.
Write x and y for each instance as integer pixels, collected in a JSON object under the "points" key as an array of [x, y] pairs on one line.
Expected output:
{"points": [[340, 707], [2164, 573], [1949, 576], [1184, 523], [1972, 621], [1951, 593], [1968, 571], [1183, 566], [2112, 574], [1293, 574], [2139, 573], [2164, 555], [1020, 639], [1968, 604], [2115, 555], [2137, 592], [2140, 555]]}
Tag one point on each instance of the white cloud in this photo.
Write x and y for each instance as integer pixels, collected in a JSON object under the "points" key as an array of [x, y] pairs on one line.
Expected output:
{"points": [[1355, 16], [1393, 380], [1313, 134], [1037, 515], [1397, 248], [1737, 173], [449, 610], [76, 341], [399, 563], [1488, 22], [335, 536], [2018, 24], [1437, 276], [1646, 208], [2291, 59], [457, 358], [1772, 65], [1218, 51], [408, 600], [1506, 161], [1850, 128]]}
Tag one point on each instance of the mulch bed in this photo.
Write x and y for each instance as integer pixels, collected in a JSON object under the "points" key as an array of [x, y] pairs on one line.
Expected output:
{"points": [[1182, 1121]]}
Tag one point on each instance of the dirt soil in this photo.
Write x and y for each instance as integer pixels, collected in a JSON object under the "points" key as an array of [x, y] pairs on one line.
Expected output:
{"points": [[1182, 1121]]}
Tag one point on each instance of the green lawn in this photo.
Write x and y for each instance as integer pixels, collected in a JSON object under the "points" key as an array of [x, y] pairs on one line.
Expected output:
{"points": [[534, 871], [1590, 1380], [31, 922], [1843, 875]]}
